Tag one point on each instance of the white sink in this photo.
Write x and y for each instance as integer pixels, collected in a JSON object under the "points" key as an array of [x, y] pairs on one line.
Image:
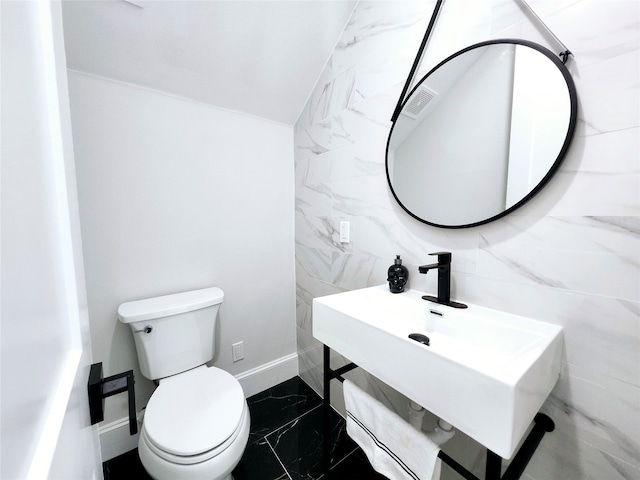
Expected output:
{"points": [[485, 371]]}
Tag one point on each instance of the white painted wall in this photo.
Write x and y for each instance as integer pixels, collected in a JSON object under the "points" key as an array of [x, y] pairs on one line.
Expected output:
{"points": [[176, 195]]}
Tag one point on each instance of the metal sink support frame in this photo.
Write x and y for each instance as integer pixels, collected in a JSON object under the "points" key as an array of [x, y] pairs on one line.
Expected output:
{"points": [[542, 424]]}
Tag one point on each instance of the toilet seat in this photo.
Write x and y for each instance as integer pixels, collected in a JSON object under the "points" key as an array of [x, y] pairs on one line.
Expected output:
{"points": [[191, 459], [194, 416]]}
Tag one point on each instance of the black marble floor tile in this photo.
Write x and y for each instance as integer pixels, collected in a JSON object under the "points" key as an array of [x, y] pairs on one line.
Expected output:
{"points": [[125, 467], [285, 441], [299, 444], [278, 405], [356, 465], [259, 463]]}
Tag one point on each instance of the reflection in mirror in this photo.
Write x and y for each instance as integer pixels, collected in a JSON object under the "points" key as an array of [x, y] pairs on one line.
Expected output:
{"points": [[481, 133]]}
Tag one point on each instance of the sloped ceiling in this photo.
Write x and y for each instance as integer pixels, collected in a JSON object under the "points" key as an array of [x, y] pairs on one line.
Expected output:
{"points": [[261, 58]]}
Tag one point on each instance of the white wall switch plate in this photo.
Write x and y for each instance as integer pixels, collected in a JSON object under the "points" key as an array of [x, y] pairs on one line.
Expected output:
{"points": [[344, 232]]}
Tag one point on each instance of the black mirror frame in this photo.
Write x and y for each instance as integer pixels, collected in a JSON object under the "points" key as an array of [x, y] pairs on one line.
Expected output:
{"points": [[573, 97]]}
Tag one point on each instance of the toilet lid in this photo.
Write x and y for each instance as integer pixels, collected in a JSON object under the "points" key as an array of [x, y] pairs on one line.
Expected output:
{"points": [[194, 412]]}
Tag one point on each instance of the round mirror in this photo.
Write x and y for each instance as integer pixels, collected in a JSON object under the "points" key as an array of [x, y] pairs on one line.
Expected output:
{"points": [[481, 133]]}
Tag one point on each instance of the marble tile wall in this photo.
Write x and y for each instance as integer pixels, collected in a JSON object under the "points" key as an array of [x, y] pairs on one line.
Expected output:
{"points": [[571, 256]]}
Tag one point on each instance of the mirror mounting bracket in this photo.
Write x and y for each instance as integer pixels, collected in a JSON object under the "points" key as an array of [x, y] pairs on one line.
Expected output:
{"points": [[417, 61], [564, 54]]}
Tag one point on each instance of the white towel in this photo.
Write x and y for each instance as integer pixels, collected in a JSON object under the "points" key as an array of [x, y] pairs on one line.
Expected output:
{"points": [[394, 448]]}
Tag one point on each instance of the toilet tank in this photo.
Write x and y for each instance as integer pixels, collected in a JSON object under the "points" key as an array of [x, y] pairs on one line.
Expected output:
{"points": [[173, 333]]}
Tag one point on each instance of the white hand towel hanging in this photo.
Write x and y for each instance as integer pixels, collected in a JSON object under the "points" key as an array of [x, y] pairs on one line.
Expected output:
{"points": [[394, 448]]}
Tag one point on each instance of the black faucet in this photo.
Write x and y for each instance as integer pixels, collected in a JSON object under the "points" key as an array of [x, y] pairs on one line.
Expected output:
{"points": [[444, 280]]}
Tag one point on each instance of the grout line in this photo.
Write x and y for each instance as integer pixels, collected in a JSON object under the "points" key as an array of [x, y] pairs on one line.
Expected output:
{"points": [[289, 423], [278, 458], [345, 457], [332, 467], [292, 421]]}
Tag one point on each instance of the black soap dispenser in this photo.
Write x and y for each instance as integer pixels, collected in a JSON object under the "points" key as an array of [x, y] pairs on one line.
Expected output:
{"points": [[397, 276]]}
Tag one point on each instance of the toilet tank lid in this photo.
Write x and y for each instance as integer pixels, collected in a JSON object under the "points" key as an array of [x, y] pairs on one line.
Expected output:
{"points": [[158, 307]]}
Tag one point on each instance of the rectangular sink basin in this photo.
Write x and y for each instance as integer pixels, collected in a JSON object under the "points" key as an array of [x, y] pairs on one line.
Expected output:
{"points": [[484, 371]]}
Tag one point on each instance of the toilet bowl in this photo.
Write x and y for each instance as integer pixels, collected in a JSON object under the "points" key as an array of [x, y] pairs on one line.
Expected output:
{"points": [[196, 424], [195, 427]]}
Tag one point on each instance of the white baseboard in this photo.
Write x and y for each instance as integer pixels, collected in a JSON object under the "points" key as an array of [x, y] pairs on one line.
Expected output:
{"points": [[269, 374], [115, 439]]}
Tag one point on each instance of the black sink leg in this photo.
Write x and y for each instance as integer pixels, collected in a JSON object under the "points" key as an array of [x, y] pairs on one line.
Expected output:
{"points": [[542, 424], [493, 466]]}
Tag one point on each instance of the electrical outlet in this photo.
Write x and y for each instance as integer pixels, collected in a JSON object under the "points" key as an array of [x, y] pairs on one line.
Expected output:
{"points": [[237, 351]]}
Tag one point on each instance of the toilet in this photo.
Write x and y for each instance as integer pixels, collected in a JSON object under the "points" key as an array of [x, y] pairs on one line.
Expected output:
{"points": [[196, 424]]}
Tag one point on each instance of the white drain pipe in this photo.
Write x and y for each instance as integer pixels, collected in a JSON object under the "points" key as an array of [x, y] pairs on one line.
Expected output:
{"points": [[443, 431], [416, 415]]}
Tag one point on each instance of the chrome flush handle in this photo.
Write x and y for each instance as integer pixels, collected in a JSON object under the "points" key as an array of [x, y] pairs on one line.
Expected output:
{"points": [[146, 329]]}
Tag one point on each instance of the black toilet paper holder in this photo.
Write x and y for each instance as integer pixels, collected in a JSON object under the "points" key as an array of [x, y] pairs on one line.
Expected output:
{"points": [[100, 388]]}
